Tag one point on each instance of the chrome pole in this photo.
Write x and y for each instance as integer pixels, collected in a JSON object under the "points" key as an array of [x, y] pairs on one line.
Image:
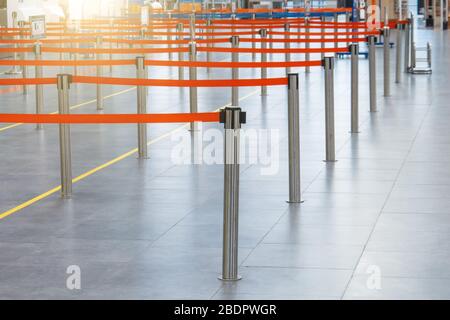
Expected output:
{"points": [[99, 74], [111, 25], [63, 85], [328, 64], [169, 36], [398, 65], [232, 117], [208, 53], [354, 51], [322, 45], [347, 20], [372, 73], [235, 71], [307, 44], [407, 46], [192, 27], [14, 69], [387, 62], [263, 35], [253, 38], [23, 57], [287, 46], [39, 87], [336, 18], [193, 76], [180, 29], [295, 194], [141, 73]]}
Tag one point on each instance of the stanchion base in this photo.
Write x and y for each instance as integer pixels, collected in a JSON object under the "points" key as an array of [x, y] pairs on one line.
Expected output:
{"points": [[229, 280], [295, 202]]}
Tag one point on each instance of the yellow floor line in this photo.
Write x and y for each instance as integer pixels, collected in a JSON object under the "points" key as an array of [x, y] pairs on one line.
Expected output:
{"points": [[10, 127], [101, 167], [75, 106]]}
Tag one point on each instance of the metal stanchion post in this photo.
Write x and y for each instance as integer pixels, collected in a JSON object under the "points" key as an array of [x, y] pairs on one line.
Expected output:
{"points": [[322, 45], [39, 87], [270, 33], [398, 66], [295, 194], [287, 46], [169, 36], [180, 30], [63, 84], [141, 108], [354, 51], [232, 117], [253, 38], [407, 46], [372, 73], [111, 25], [307, 44], [387, 62], [14, 69], [328, 64], [193, 102], [336, 18], [99, 74], [23, 57], [412, 64], [75, 58], [192, 27], [235, 71], [208, 45], [263, 34], [347, 20]]}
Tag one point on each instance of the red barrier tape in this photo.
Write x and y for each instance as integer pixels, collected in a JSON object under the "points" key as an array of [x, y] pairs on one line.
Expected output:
{"points": [[182, 83], [161, 63], [110, 118], [151, 82]]}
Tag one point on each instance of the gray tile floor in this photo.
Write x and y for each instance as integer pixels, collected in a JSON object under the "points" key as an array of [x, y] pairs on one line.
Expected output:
{"points": [[152, 229]]}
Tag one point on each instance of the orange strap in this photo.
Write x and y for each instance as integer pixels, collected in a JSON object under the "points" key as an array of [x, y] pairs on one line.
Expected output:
{"points": [[110, 118], [182, 83], [162, 63], [27, 81], [325, 34], [203, 64], [115, 51], [9, 50], [66, 63], [293, 50], [305, 40]]}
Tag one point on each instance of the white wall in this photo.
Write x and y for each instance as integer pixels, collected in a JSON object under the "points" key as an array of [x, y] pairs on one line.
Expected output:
{"points": [[88, 9], [24, 8], [85, 9]]}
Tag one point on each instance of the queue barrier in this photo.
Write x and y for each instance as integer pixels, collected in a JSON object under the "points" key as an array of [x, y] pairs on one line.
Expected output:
{"points": [[150, 82], [196, 64], [231, 117]]}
